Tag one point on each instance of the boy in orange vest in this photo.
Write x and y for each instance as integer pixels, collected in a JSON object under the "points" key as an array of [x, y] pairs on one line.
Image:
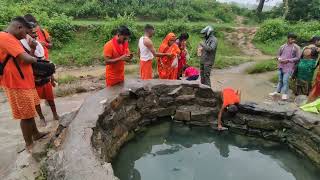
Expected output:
{"points": [[231, 100]]}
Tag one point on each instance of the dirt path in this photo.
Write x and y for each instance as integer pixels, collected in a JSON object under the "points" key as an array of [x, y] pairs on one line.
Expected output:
{"points": [[11, 140], [254, 87]]}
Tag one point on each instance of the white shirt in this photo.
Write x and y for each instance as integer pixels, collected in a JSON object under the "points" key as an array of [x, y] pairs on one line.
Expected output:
{"points": [[39, 52], [145, 53]]}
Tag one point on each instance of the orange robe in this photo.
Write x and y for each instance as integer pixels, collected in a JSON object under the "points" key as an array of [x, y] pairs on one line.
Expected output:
{"points": [[146, 70], [115, 72], [43, 38], [315, 92], [165, 69], [21, 93], [230, 97]]}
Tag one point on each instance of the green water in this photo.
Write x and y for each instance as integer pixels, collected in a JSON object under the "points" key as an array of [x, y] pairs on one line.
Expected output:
{"points": [[171, 151]]}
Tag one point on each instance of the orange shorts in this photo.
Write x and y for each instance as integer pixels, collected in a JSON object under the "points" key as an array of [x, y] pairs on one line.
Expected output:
{"points": [[22, 102], [45, 92]]}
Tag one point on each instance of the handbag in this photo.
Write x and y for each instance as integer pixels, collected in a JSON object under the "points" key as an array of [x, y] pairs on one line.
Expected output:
{"points": [[43, 68]]}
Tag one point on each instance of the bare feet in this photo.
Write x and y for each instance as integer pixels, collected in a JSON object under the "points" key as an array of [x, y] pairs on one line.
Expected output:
{"points": [[29, 148], [40, 135], [43, 122], [221, 128], [56, 117]]}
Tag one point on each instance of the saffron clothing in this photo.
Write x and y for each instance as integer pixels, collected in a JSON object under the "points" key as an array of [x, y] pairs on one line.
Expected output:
{"points": [[230, 97], [191, 71], [315, 92], [43, 37], [146, 70], [45, 91], [22, 102], [11, 77], [115, 72], [168, 66]]}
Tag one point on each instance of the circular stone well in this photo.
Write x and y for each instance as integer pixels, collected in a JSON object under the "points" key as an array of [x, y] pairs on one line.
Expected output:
{"points": [[108, 119]]}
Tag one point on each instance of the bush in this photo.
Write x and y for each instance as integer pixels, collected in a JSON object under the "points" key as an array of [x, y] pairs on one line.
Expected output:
{"points": [[61, 29], [272, 30], [108, 30]]}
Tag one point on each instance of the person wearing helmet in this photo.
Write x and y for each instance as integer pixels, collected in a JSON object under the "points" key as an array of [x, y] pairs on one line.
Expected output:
{"points": [[207, 52]]}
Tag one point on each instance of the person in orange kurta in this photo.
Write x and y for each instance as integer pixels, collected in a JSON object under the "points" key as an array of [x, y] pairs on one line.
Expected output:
{"points": [[45, 91], [231, 100], [147, 52], [168, 66], [17, 79], [116, 53]]}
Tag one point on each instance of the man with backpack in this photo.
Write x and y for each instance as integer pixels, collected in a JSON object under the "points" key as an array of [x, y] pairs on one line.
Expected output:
{"points": [[289, 54], [17, 80], [44, 87]]}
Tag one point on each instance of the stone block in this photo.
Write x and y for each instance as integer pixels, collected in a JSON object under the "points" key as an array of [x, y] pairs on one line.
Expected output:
{"points": [[254, 132], [117, 102], [205, 92], [175, 92], [185, 99], [305, 119], [182, 115], [316, 130], [238, 129], [264, 124], [206, 102], [166, 101], [160, 112], [202, 114]]}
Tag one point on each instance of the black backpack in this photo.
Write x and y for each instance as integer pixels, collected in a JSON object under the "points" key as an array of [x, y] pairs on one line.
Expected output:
{"points": [[4, 63], [43, 69]]}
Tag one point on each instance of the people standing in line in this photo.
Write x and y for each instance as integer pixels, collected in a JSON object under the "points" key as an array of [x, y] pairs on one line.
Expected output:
{"points": [[17, 79], [44, 86], [116, 53], [315, 92], [184, 54], [147, 52], [168, 65], [288, 55], [207, 52]]}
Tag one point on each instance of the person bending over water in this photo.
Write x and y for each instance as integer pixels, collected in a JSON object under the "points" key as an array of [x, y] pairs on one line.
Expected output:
{"points": [[231, 100]]}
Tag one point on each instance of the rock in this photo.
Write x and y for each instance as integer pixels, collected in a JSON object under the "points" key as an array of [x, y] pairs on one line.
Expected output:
{"points": [[306, 119], [166, 101], [160, 112], [202, 114], [254, 132], [264, 124], [182, 115], [66, 118], [301, 100], [175, 92], [207, 102], [205, 92], [316, 130], [39, 149], [185, 99]]}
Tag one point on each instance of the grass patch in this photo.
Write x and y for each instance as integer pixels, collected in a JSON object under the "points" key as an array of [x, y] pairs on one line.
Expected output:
{"points": [[68, 79], [263, 66], [229, 61], [83, 50], [270, 47]]}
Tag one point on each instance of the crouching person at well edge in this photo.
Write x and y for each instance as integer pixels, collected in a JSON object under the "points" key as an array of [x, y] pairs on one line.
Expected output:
{"points": [[116, 53], [17, 79]]}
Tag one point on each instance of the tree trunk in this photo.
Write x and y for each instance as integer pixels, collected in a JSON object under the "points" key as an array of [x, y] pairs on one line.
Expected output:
{"points": [[260, 6], [286, 8]]}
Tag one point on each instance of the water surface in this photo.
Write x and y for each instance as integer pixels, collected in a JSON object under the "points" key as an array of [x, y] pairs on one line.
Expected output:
{"points": [[171, 151]]}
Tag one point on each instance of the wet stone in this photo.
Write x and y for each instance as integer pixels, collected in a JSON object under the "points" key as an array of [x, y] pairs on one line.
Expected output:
{"points": [[166, 101], [182, 115], [306, 120]]}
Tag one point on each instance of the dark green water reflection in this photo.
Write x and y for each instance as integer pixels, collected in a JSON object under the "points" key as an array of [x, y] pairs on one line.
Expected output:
{"points": [[171, 151]]}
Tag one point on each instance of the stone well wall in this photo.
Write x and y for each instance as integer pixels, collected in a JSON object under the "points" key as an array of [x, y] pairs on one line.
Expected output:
{"points": [[109, 118]]}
